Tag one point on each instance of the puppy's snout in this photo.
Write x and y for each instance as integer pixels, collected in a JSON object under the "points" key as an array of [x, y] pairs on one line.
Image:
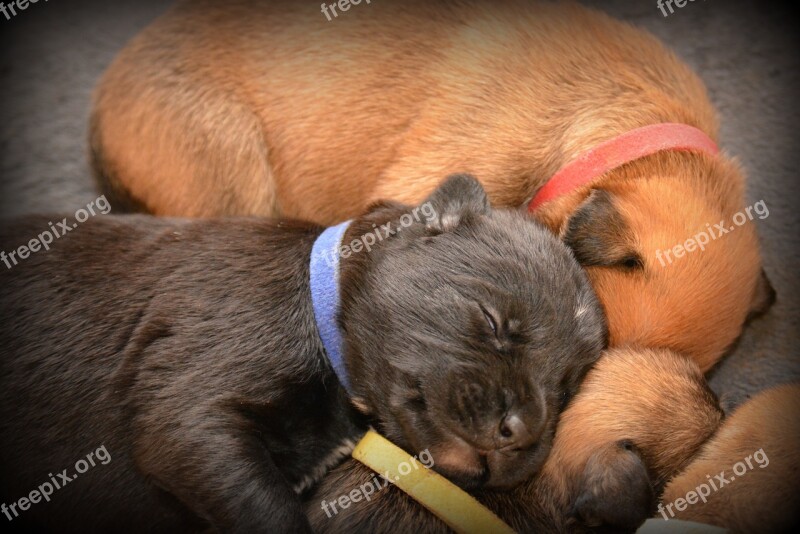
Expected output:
{"points": [[501, 433], [514, 432], [520, 428], [494, 418]]}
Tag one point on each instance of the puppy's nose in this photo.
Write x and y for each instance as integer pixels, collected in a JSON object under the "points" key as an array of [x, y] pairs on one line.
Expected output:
{"points": [[519, 430]]}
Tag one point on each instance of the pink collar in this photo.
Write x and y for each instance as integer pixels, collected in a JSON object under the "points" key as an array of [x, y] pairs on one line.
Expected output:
{"points": [[620, 150]]}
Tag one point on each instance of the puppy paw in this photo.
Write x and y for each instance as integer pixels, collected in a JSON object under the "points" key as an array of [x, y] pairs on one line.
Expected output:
{"points": [[616, 493]]}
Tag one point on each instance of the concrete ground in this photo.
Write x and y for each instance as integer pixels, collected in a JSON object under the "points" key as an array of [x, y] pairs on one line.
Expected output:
{"points": [[52, 54]]}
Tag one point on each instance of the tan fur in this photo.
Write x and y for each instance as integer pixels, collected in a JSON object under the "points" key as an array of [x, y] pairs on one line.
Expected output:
{"points": [[764, 499], [655, 399], [266, 108]]}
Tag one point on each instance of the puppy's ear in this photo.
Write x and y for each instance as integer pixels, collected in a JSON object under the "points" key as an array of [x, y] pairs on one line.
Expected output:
{"points": [[599, 236], [763, 296], [616, 492], [458, 196]]}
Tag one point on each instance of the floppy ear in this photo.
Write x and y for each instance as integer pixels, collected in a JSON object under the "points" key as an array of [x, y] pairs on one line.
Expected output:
{"points": [[459, 195], [599, 236], [616, 490], [763, 297]]}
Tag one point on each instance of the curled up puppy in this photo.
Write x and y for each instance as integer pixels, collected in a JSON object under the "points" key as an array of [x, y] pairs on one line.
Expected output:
{"points": [[592, 124], [227, 364]]}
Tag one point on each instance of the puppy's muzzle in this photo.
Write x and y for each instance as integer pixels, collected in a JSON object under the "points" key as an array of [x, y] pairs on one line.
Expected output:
{"points": [[493, 419]]}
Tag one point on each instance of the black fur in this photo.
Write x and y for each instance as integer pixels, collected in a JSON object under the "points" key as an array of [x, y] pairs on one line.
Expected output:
{"points": [[189, 350], [599, 236]]}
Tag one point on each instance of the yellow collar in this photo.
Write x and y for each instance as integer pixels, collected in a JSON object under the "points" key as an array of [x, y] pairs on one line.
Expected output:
{"points": [[459, 510]]}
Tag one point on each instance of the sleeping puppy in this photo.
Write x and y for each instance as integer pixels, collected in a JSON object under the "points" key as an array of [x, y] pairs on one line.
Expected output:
{"points": [[189, 351], [214, 109], [638, 418], [747, 477]]}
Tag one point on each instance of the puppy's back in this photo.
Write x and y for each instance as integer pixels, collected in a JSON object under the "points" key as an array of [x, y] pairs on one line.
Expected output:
{"points": [[224, 102], [77, 323], [61, 333]]}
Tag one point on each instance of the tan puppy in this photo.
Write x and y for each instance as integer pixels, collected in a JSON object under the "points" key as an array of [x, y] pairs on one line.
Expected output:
{"points": [[638, 418], [747, 478], [248, 107]]}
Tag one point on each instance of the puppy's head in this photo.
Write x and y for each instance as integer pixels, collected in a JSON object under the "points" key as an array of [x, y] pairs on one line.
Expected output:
{"points": [[466, 329], [672, 253], [638, 419]]}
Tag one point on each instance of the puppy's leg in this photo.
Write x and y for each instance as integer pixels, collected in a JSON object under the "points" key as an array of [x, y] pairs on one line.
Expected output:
{"points": [[371, 504], [215, 464]]}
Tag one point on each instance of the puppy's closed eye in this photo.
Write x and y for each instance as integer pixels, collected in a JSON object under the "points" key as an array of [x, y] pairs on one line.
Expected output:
{"points": [[502, 328], [599, 236], [491, 320], [495, 314], [631, 262]]}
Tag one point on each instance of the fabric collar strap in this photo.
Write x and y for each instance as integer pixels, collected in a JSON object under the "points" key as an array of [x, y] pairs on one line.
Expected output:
{"points": [[620, 150], [457, 508], [324, 268]]}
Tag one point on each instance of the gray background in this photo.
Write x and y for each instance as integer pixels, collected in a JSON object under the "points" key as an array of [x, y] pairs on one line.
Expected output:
{"points": [[52, 54]]}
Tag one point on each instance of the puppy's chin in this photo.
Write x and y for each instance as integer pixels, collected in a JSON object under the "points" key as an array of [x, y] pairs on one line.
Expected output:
{"points": [[461, 463], [471, 468]]}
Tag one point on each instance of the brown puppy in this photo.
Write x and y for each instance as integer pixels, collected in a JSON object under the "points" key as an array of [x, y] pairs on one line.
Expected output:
{"points": [[194, 350], [638, 418], [249, 107], [747, 478]]}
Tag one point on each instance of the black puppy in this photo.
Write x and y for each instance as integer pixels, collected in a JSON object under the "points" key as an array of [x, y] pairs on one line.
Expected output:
{"points": [[189, 350]]}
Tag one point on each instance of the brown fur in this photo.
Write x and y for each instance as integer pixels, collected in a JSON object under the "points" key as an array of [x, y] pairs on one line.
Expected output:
{"points": [[248, 107], [192, 349], [638, 418], [764, 499]]}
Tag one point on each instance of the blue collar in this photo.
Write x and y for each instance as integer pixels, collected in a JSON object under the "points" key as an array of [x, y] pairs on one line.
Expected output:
{"points": [[324, 268]]}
